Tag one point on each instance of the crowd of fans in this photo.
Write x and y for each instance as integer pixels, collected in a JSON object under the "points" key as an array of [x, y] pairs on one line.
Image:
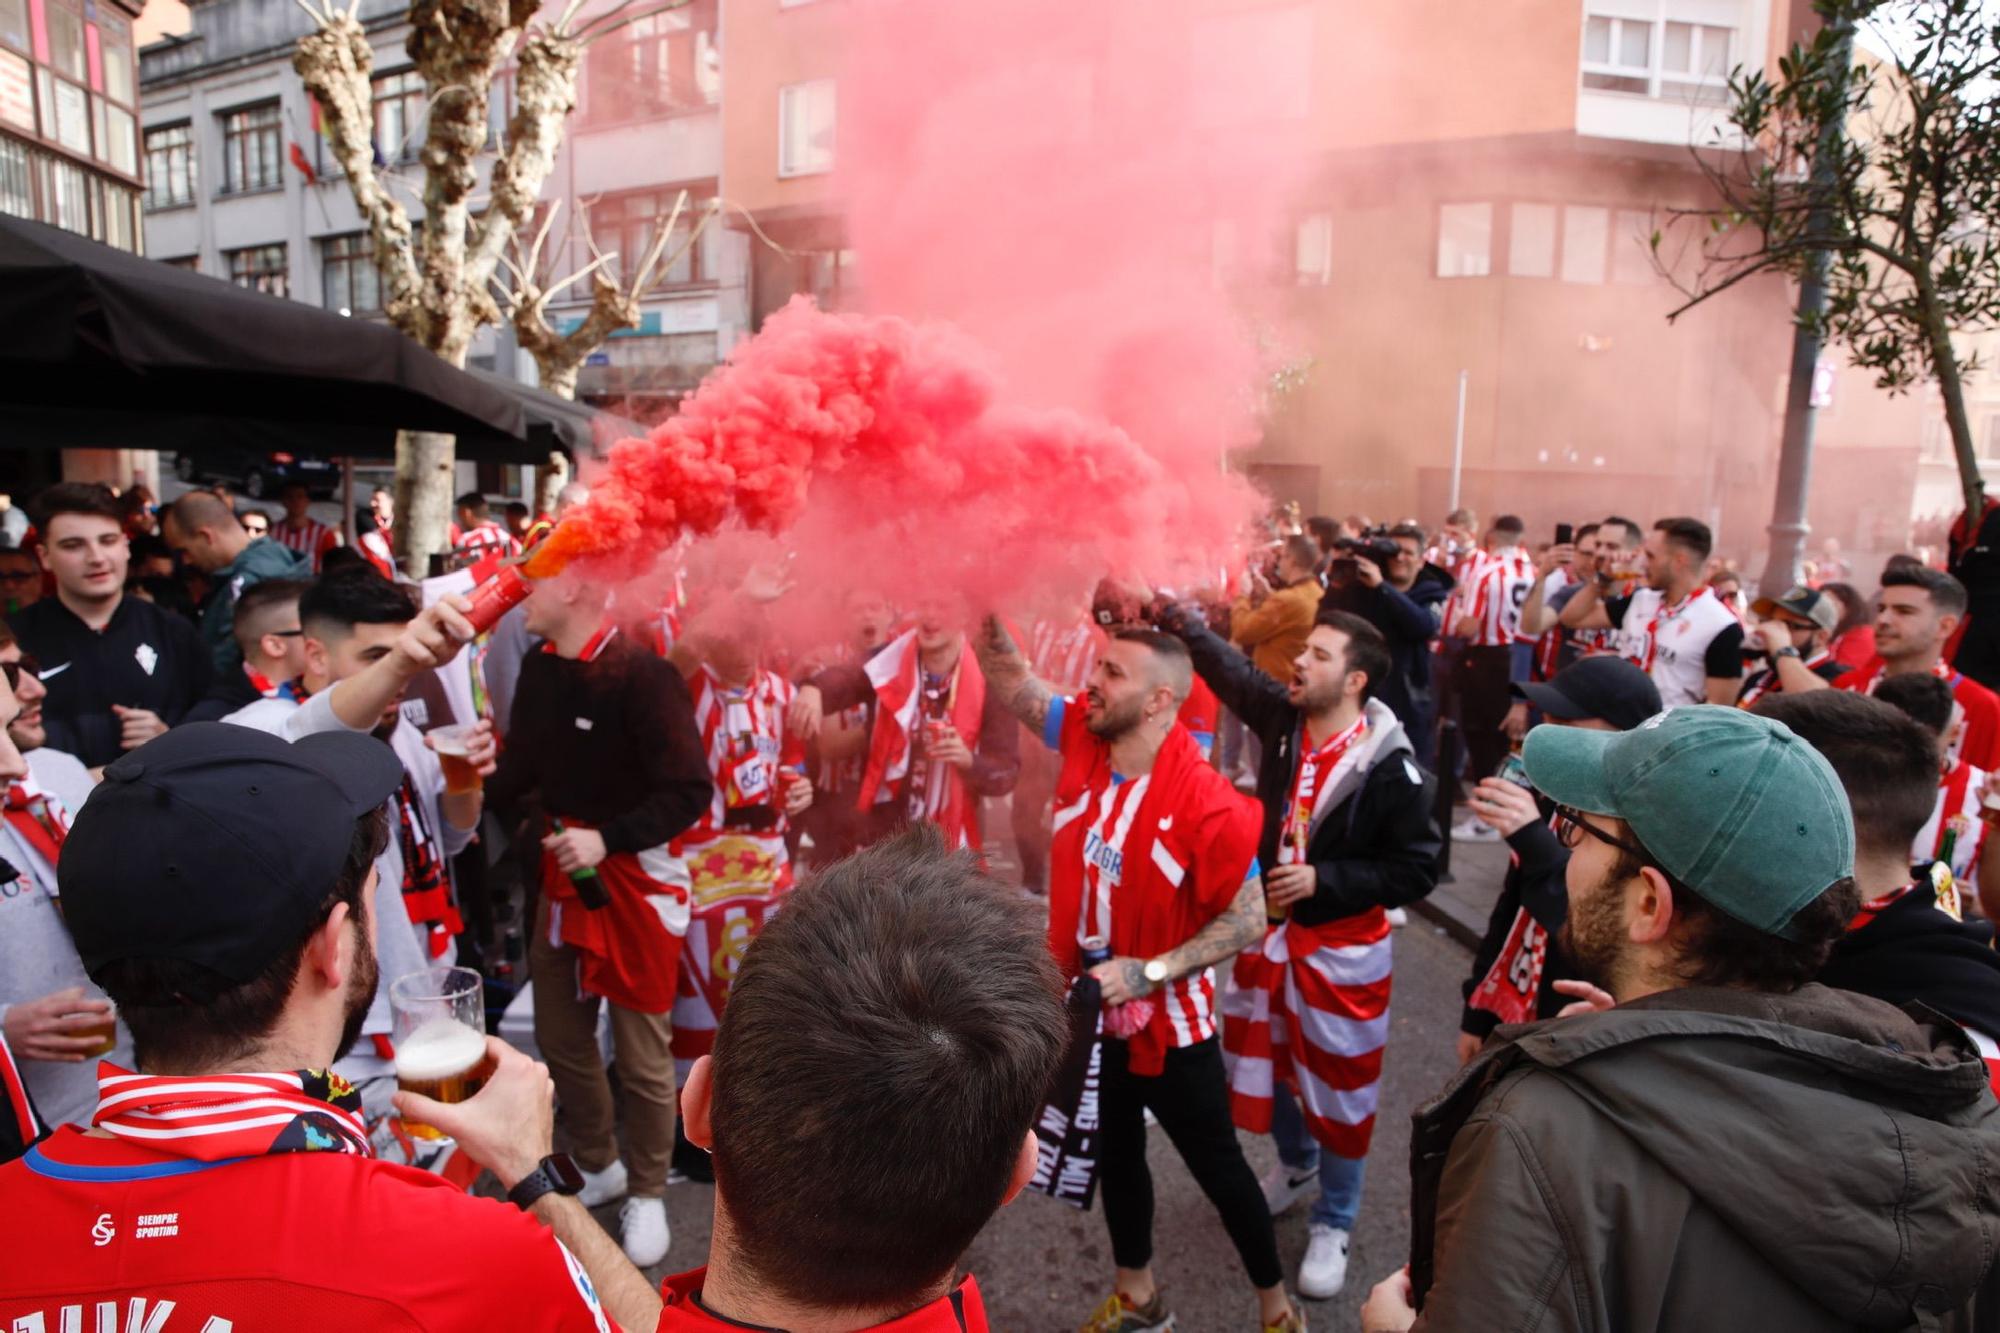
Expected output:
{"points": [[1742, 833]]}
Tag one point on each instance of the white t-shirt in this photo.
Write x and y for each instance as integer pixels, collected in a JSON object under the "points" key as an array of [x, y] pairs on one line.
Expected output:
{"points": [[1680, 646], [62, 773]]}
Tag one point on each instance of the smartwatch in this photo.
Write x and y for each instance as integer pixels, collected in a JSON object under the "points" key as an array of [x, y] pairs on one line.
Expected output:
{"points": [[557, 1174], [1155, 972]]}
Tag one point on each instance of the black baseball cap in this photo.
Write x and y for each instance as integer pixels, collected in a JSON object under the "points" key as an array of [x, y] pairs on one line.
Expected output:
{"points": [[217, 844], [1604, 687]]}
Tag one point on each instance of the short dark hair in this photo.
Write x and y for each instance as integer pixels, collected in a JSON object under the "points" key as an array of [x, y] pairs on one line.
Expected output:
{"points": [[75, 497], [337, 602], [887, 1046], [1715, 949], [472, 502], [1921, 695], [1323, 530], [1629, 533], [186, 1017], [1690, 534], [516, 507], [1367, 650], [342, 557], [1169, 649], [1509, 523], [1854, 610], [1303, 550], [1885, 759], [1411, 532], [1947, 593], [1585, 531], [252, 620]]}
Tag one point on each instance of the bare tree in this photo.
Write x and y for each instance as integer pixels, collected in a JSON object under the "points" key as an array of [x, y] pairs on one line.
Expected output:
{"points": [[1887, 173], [439, 282]]}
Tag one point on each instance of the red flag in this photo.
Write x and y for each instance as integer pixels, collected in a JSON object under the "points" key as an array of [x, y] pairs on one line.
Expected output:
{"points": [[298, 156]]}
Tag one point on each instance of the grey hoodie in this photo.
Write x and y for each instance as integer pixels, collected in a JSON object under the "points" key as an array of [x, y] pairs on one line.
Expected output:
{"points": [[1710, 1159]]}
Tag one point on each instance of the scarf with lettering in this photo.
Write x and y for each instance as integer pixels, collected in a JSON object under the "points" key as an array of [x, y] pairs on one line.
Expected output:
{"points": [[426, 881], [215, 1117]]}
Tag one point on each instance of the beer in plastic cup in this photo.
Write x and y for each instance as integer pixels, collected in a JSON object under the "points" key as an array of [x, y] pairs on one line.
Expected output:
{"points": [[440, 1038], [106, 1033], [451, 743]]}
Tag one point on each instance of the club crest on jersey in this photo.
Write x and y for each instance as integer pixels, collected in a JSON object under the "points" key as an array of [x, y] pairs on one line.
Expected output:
{"points": [[148, 658]]}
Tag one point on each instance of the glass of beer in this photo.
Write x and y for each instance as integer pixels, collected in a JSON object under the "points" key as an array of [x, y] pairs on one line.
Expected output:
{"points": [[105, 1031], [460, 777], [440, 1037]]}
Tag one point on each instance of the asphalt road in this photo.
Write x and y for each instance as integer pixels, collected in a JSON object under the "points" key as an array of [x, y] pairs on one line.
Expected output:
{"points": [[1043, 1266]]}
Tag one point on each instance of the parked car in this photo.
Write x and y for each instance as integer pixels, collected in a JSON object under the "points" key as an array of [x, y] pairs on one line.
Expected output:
{"points": [[259, 475]]}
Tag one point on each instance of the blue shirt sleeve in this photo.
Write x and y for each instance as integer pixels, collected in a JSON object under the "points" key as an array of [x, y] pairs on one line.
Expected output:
{"points": [[1256, 869], [1052, 724]]}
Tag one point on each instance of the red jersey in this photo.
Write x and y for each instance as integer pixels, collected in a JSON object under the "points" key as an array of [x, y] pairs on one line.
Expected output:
{"points": [[1979, 743], [311, 539], [960, 1312], [482, 540], [106, 1233]]}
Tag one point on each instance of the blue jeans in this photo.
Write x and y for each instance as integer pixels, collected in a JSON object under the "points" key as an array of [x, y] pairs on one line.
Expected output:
{"points": [[1339, 1177]]}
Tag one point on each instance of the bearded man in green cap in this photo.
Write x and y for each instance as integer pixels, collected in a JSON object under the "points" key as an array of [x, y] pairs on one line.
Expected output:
{"points": [[1715, 1142]]}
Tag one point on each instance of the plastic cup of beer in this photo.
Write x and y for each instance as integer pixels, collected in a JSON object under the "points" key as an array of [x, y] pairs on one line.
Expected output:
{"points": [[451, 744], [440, 1037], [106, 1033]]}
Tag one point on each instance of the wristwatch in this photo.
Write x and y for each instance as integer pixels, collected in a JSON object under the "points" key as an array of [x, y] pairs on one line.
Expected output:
{"points": [[1786, 651], [557, 1174], [1155, 972]]}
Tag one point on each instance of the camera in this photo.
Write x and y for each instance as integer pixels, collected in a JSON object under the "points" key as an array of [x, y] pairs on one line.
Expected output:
{"points": [[1374, 546]]}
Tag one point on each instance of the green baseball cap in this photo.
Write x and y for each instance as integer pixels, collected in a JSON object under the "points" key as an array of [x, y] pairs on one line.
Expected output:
{"points": [[1732, 805]]}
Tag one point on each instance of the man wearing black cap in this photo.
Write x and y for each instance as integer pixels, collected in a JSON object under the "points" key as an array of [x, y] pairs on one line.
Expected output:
{"points": [[1792, 634], [1519, 965], [218, 888]]}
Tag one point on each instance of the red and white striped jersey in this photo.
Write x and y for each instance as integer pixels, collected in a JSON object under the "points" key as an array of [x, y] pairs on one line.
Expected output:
{"points": [[1956, 820], [484, 539], [1549, 646], [743, 733], [1494, 585], [311, 539], [1063, 654], [379, 547]]}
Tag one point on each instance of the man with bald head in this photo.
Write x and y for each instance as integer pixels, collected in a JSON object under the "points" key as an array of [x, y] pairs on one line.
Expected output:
{"points": [[206, 531], [1153, 869]]}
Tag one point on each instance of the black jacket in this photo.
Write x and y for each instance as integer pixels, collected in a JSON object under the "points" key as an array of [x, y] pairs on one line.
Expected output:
{"points": [[144, 658], [1535, 882], [1913, 951], [1409, 621], [1377, 845]]}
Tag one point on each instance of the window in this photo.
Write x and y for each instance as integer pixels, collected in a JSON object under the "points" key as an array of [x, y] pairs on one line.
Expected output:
{"points": [[14, 24], [251, 155], [114, 43], [629, 223], [17, 184], [120, 142], [261, 268], [805, 128], [1465, 240], [1632, 248], [1671, 58], [170, 174], [66, 55], [1312, 262], [1585, 233], [399, 116], [1531, 241], [120, 229], [66, 195], [654, 66], [69, 114], [350, 282]]}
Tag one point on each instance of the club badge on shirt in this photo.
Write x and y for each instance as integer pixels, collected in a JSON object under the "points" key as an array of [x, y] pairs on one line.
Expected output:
{"points": [[148, 658]]}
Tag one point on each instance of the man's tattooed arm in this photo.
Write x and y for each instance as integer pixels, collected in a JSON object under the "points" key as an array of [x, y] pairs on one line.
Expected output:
{"points": [[1007, 671], [1241, 925]]}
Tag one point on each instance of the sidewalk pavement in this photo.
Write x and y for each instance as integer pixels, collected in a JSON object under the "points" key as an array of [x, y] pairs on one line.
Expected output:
{"points": [[1462, 904]]}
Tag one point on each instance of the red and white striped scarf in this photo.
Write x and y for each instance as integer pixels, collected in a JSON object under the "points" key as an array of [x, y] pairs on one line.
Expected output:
{"points": [[1312, 779], [743, 735], [38, 820], [216, 1117], [897, 675]]}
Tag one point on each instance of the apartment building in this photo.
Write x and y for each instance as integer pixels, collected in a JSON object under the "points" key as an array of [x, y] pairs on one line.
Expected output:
{"points": [[69, 116], [1485, 182], [240, 185]]}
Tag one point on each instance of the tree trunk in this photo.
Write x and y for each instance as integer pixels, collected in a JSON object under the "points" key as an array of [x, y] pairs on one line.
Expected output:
{"points": [[1944, 364], [423, 497], [550, 478]]}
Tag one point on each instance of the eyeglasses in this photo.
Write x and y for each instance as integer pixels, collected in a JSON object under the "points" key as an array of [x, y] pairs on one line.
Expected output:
{"points": [[1571, 826], [13, 670]]}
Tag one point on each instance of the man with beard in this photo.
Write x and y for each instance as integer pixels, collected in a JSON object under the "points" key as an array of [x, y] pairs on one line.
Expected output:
{"points": [[1153, 860], [1675, 627], [1723, 1143], [219, 890], [365, 641], [1348, 835], [941, 741]]}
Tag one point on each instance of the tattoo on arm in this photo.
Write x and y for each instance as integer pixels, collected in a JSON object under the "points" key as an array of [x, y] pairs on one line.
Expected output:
{"points": [[1007, 671], [1240, 926]]}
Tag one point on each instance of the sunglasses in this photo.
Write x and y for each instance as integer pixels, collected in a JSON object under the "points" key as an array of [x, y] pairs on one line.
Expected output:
{"points": [[14, 670], [1571, 826]]}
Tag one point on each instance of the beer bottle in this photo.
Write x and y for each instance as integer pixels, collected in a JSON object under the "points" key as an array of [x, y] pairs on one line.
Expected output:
{"points": [[590, 890]]}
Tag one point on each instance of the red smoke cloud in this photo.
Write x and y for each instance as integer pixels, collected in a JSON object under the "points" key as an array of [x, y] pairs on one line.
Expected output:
{"points": [[1044, 199]]}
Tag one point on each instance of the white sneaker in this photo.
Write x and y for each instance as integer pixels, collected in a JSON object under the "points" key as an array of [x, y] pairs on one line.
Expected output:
{"points": [[1284, 1186], [603, 1186], [1324, 1271], [643, 1224], [1474, 830], [1398, 916]]}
